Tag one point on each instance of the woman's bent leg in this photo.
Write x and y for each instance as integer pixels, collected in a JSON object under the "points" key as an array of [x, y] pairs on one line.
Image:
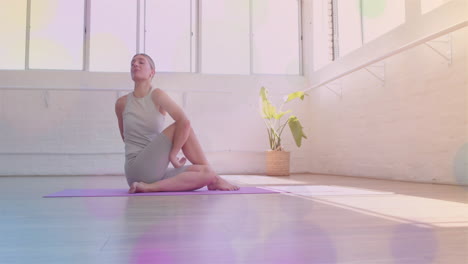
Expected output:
{"points": [[194, 153], [191, 149]]}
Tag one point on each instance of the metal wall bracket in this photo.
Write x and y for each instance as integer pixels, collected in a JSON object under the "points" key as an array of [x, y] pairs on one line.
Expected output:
{"points": [[336, 87], [378, 71], [442, 46]]}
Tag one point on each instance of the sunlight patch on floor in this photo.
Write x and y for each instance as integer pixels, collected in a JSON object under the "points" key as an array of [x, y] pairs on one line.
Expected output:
{"points": [[260, 180], [326, 190], [392, 206], [418, 209]]}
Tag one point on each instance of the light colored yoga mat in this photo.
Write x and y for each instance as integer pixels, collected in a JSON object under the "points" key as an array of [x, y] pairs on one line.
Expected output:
{"points": [[124, 192]]}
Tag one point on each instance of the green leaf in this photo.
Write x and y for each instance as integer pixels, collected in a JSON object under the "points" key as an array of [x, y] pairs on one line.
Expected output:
{"points": [[292, 96], [296, 130], [268, 110], [281, 114], [264, 94]]}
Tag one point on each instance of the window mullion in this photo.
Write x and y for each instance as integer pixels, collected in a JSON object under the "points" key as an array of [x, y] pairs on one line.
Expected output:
{"points": [[300, 37], [28, 30], [87, 29], [362, 22], [199, 37], [138, 26], [250, 39], [194, 36]]}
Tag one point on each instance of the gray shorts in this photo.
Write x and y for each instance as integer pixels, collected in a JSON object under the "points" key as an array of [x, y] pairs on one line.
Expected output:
{"points": [[151, 164]]}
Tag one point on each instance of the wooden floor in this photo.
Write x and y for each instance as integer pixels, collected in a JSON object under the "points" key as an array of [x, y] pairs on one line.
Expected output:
{"points": [[325, 219]]}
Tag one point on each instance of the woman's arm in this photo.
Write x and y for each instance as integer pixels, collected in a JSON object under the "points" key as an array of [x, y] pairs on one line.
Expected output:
{"points": [[182, 124], [119, 107]]}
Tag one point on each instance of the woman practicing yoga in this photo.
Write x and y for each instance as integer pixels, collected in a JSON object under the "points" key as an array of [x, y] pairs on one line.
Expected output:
{"points": [[149, 148]]}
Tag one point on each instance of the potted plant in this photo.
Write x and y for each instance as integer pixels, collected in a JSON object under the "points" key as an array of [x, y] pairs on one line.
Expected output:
{"points": [[277, 159]]}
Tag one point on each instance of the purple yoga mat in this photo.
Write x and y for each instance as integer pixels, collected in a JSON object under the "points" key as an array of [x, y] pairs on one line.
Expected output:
{"points": [[124, 192]]}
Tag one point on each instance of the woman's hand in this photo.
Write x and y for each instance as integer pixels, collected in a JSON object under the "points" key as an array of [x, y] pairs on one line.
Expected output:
{"points": [[176, 162]]}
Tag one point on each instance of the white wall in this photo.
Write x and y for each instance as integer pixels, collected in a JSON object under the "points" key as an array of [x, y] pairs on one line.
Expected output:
{"points": [[413, 126], [53, 124]]}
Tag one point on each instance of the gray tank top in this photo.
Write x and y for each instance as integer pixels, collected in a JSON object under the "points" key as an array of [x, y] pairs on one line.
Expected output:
{"points": [[142, 122]]}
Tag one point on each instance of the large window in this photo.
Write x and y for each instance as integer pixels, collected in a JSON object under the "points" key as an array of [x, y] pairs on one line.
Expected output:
{"points": [[225, 39], [168, 34], [381, 16], [357, 22], [56, 34], [242, 36], [113, 35], [276, 36], [206, 36], [348, 20], [12, 34]]}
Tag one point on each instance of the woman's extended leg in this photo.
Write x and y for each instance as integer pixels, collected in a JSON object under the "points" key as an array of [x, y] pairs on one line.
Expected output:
{"points": [[195, 177]]}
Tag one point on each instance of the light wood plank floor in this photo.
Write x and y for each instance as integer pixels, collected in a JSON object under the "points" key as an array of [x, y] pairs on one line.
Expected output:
{"points": [[325, 219]]}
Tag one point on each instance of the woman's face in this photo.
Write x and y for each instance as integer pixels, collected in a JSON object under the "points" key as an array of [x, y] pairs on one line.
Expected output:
{"points": [[141, 69]]}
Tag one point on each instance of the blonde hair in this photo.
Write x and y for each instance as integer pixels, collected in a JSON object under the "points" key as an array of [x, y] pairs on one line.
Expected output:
{"points": [[150, 60]]}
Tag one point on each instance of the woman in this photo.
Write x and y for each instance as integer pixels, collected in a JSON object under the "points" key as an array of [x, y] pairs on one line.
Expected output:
{"points": [[149, 148]]}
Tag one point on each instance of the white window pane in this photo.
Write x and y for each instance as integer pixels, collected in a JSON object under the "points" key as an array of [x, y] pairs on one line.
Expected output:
{"points": [[113, 35], [429, 5], [225, 37], [275, 26], [168, 34], [12, 34], [381, 16], [349, 26], [321, 33], [56, 36]]}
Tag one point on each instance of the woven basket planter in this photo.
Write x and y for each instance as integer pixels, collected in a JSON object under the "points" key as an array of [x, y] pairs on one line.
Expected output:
{"points": [[277, 163]]}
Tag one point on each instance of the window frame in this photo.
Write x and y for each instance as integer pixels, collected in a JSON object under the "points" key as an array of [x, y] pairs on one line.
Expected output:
{"points": [[195, 39]]}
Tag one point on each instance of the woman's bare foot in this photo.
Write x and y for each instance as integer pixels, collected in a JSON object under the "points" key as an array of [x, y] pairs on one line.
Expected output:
{"points": [[137, 187], [221, 184]]}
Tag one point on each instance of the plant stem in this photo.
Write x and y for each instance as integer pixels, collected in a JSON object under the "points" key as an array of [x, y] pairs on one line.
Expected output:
{"points": [[272, 134], [279, 111], [282, 127]]}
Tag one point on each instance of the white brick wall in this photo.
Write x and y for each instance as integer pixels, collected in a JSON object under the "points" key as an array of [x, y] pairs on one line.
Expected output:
{"points": [[74, 132], [409, 129]]}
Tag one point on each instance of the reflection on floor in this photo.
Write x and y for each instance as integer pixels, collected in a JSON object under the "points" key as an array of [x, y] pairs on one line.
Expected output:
{"points": [[321, 219]]}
